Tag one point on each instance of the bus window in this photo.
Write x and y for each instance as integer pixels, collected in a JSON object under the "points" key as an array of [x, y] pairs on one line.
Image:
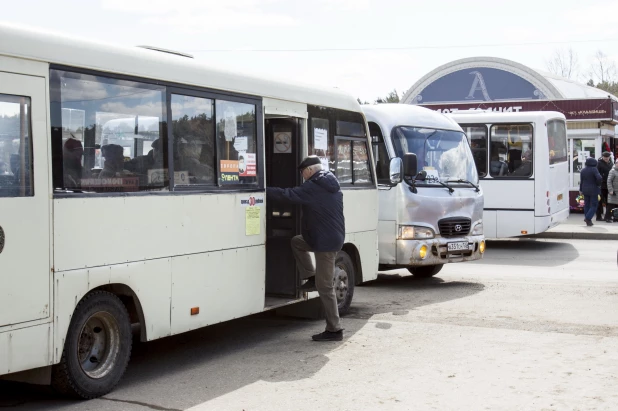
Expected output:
{"points": [[237, 142], [556, 138], [511, 150], [194, 140], [380, 154], [110, 132], [15, 147], [477, 136]]}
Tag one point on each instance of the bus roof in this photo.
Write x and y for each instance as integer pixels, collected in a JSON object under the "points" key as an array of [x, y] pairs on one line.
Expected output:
{"points": [[394, 115], [34, 44], [482, 116]]}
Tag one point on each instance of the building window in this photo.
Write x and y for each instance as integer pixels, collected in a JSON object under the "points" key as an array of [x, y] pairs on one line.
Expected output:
{"points": [[511, 150], [16, 173], [236, 143], [380, 154], [477, 137], [557, 141], [193, 132], [106, 134]]}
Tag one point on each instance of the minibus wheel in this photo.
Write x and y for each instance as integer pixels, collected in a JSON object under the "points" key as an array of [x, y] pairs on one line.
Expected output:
{"points": [[425, 271], [97, 347], [343, 282]]}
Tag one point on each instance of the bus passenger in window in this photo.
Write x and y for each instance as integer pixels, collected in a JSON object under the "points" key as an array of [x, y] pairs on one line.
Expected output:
{"points": [[190, 154], [72, 153], [114, 161], [497, 166], [4, 169], [525, 168], [151, 161], [323, 233]]}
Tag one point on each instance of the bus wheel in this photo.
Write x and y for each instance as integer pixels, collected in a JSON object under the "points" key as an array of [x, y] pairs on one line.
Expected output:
{"points": [[97, 347], [344, 281], [425, 271]]}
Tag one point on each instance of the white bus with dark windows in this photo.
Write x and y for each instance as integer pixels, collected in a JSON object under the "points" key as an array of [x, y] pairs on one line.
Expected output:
{"points": [[521, 159], [434, 214], [132, 191]]}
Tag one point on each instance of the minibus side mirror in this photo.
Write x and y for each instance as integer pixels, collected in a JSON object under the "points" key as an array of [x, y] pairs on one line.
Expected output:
{"points": [[410, 166], [396, 171]]}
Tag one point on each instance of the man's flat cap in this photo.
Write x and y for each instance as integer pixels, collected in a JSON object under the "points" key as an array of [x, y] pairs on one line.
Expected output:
{"points": [[309, 161]]}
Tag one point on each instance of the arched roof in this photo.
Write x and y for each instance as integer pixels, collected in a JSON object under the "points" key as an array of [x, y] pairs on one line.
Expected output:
{"points": [[494, 79]]}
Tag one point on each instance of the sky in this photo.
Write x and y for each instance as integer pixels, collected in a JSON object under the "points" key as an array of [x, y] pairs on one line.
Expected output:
{"points": [[365, 47]]}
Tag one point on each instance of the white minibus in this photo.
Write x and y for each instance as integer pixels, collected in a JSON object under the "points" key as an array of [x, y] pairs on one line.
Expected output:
{"points": [[133, 192], [435, 215], [521, 159]]}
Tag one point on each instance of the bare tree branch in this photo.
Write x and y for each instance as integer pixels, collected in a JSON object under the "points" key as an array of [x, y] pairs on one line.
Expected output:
{"points": [[564, 63]]}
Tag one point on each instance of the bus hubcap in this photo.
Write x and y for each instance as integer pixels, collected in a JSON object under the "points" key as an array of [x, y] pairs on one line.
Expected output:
{"points": [[341, 283], [98, 345]]}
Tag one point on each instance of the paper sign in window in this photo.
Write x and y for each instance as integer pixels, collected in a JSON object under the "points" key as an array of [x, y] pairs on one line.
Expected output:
{"points": [[247, 165], [320, 139]]}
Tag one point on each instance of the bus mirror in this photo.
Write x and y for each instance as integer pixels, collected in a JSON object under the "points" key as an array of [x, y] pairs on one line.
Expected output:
{"points": [[396, 171], [410, 166]]}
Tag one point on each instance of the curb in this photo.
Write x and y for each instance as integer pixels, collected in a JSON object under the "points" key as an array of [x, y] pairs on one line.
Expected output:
{"points": [[576, 236]]}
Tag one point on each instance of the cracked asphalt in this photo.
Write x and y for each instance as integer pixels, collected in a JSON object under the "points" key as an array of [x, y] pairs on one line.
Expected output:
{"points": [[533, 326]]}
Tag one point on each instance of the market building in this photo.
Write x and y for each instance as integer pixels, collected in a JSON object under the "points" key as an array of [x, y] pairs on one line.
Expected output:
{"points": [[487, 83]]}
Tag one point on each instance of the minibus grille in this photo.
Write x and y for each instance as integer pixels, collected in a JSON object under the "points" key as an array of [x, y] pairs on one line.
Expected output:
{"points": [[454, 227]]}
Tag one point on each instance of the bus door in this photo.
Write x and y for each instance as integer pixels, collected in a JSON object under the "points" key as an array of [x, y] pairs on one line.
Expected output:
{"points": [[283, 220], [25, 275]]}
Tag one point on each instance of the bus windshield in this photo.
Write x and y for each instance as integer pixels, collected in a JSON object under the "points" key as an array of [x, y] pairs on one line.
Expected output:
{"points": [[444, 154]]}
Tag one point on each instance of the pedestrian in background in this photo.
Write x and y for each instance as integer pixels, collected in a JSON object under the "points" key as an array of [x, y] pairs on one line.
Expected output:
{"points": [[604, 166], [590, 187], [612, 187]]}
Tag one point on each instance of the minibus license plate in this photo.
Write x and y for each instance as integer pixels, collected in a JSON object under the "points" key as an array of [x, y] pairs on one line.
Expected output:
{"points": [[459, 246]]}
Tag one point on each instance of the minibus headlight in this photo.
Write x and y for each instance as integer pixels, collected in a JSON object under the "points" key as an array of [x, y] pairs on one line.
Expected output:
{"points": [[411, 232], [478, 229]]}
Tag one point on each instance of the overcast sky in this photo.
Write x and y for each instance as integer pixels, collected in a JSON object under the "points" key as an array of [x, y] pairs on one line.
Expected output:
{"points": [[421, 35]]}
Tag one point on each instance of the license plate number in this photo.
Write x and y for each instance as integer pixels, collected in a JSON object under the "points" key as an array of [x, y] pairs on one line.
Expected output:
{"points": [[459, 246]]}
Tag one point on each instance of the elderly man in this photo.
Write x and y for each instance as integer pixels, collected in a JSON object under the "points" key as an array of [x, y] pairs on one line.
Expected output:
{"points": [[323, 233]]}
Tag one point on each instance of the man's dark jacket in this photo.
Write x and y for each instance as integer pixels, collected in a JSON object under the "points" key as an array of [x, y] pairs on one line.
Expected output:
{"points": [[604, 169], [590, 179], [323, 224]]}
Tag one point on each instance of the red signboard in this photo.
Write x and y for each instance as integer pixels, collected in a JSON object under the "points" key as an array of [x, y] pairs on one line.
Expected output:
{"points": [[586, 109]]}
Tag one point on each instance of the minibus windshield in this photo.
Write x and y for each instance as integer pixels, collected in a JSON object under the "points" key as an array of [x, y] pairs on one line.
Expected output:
{"points": [[444, 154]]}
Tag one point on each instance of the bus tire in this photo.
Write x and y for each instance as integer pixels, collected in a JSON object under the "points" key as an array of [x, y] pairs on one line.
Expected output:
{"points": [[425, 271], [345, 275], [97, 347]]}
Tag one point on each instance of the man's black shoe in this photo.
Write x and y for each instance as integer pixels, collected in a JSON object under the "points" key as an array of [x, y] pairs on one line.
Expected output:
{"points": [[329, 336], [309, 285], [599, 219]]}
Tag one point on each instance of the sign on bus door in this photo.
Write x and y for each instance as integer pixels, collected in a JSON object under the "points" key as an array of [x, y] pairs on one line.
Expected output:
{"points": [[25, 277]]}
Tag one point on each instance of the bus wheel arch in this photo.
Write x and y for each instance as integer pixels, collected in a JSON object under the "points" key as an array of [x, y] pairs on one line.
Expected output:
{"points": [[131, 301], [352, 251], [97, 347], [346, 276]]}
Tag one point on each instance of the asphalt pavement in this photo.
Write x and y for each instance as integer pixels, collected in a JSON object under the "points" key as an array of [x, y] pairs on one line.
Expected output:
{"points": [[532, 326]]}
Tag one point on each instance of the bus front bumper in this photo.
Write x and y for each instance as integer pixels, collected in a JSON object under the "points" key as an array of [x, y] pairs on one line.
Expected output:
{"points": [[414, 253]]}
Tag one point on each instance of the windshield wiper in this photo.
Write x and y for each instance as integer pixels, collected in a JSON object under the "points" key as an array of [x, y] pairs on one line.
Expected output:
{"points": [[450, 189], [423, 177], [477, 189]]}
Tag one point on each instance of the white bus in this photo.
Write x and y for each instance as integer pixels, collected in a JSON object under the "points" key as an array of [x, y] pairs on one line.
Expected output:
{"points": [[435, 215], [521, 159], [132, 191]]}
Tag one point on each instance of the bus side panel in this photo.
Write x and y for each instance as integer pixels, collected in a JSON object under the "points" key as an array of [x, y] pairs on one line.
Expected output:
{"points": [[360, 208], [117, 230], [490, 224], [150, 280], [222, 284], [366, 245], [25, 349], [512, 223]]}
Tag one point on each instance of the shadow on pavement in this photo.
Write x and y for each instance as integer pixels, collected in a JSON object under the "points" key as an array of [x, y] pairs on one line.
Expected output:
{"points": [[529, 252], [188, 369]]}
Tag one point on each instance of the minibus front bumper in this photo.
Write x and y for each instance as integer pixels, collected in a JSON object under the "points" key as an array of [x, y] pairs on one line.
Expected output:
{"points": [[414, 253]]}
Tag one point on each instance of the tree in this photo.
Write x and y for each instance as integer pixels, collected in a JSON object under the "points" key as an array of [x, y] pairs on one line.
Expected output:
{"points": [[564, 63], [603, 73], [391, 97]]}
